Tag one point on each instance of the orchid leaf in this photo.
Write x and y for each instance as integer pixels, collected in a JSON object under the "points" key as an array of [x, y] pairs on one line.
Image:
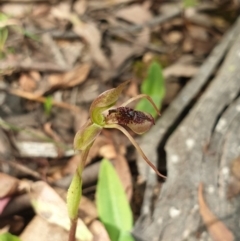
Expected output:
{"points": [[112, 204], [9, 237], [154, 87]]}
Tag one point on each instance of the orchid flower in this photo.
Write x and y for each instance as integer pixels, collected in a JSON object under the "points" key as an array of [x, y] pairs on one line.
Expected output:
{"points": [[118, 118]]}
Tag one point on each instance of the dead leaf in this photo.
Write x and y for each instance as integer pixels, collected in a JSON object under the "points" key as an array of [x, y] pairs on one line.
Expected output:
{"points": [[135, 13], [91, 34], [99, 232], [234, 182], [235, 168], [80, 7], [120, 53], [27, 83], [71, 78], [172, 89], [88, 210], [216, 228], [108, 151], [184, 67], [48, 205], [174, 37], [39, 229], [8, 185]]}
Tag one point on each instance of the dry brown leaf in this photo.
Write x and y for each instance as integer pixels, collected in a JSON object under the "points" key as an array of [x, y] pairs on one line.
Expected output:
{"points": [[108, 151], [71, 165], [132, 89], [235, 168], [50, 132], [88, 211], [49, 205], [39, 229], [91, 34], [216, 228], [174, 37], [72, 78], [99, 232], [80, 7], [135, 13], [180, 70], [234, 183], [120, 53], [172, 89], [8, 185], [27, 83]]}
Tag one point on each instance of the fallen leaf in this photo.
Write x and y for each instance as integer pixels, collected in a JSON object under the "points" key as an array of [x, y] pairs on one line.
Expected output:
{"points": [[8, 185], [235, 168], [120, 53], [88, 210], [216, 228], [71, 78], [27, 83], [135, 13], [234, 182], [108, 151], [93, 37], [39, 229], [99, 232], [49, 205]]}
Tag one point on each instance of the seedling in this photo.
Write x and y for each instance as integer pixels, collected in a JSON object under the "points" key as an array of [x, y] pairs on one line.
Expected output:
{"points": [[101, 116]]}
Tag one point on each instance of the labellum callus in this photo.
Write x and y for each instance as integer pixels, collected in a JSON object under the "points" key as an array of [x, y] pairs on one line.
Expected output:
{"points": [[137, 121]]}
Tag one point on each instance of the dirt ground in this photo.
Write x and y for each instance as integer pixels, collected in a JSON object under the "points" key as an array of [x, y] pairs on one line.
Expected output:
{"points": [[56, 57]]}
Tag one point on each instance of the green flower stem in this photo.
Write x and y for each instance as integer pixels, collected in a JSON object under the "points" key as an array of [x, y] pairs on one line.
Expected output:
{"points": [[125, 132], [75, 193]]}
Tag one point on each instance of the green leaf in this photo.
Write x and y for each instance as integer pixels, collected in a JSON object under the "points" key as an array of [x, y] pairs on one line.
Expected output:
{"points": [[48, 105], [112, 204], [189, 3], [153, 86], [8, 237], [126, 236], [31, 35]]}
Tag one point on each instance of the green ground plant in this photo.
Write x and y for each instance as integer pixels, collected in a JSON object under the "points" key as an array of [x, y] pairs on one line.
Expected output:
{"points": [[103, 114], [153, 86], [113, 207]]}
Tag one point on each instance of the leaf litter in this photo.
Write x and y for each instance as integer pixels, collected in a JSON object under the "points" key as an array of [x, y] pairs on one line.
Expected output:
{"points": [[72, 53]]}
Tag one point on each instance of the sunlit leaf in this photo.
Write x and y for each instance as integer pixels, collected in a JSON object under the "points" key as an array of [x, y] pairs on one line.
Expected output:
{"points": [[189, 3], [8, 237], [112, 204], [153, 86], [48, 105], [126, 236]]}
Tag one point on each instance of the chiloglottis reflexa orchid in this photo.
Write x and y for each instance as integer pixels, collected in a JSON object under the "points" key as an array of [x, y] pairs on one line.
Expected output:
{"points": [[104, 115]]}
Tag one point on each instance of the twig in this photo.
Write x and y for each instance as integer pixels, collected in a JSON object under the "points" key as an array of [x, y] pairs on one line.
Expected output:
{"points": [[31, 96], [151, 23], [31, 65], [21, 168]]}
